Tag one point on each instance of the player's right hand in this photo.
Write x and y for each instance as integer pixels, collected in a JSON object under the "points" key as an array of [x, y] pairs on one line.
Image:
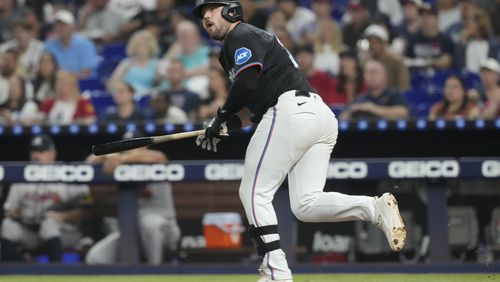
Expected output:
{"points": [[214, 132]]}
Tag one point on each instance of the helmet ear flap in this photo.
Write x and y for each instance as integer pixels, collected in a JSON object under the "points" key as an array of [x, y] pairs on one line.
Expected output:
{"points": [[232, 12]]}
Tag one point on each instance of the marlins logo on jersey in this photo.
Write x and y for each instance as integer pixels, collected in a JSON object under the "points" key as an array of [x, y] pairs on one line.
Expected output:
{"points": [[242, 55]]}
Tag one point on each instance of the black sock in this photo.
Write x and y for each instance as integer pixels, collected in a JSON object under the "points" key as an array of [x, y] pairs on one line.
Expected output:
{"points": [[9, 251], [53, 247]]}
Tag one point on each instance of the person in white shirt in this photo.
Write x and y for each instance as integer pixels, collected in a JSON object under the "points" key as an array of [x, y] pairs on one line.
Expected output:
{"points": [[300, 20], [28, 47]]}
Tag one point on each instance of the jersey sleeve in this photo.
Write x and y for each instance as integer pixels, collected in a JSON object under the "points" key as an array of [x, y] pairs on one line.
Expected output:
{"points": [[13, 198], [245, 50]]}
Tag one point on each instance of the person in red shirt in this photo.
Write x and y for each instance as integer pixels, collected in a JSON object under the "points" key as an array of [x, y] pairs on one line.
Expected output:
{"points": [[322, 82], [67, 106]]}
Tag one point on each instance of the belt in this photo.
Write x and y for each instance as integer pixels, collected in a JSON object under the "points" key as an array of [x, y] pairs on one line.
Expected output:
{"points": [[302, 93]]}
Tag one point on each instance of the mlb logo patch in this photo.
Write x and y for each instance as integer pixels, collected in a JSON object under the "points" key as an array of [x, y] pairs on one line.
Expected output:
{"points": [[242, 55]]}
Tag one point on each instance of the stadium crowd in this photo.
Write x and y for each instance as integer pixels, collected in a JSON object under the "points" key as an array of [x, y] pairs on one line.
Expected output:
{"points": [[88, 61]]}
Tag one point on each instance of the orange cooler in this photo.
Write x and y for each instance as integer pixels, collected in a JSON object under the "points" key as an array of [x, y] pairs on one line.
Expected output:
{"points": [[222, 230]]}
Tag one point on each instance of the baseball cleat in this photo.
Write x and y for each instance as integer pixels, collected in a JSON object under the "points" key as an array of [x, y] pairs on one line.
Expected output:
{"points": [[388, 219], [267, 279]]}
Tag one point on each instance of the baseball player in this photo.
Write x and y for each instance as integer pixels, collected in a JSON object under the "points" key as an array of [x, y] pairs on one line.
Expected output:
{"points": [[295, 136], [157, 219], [43, 214]]}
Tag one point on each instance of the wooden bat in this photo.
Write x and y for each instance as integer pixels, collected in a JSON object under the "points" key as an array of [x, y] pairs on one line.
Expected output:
{"points": [[134, 143]]}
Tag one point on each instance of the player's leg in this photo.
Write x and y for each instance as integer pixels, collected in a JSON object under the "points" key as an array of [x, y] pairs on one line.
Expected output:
{"points": [[13, 236], [154, 229], [105, 251], [308, 201], [50, 233], [267, 162]]}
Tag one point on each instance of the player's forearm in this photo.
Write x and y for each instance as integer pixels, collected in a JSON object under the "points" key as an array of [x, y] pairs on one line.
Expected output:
{"points": [[391, 112], [143, 156]]}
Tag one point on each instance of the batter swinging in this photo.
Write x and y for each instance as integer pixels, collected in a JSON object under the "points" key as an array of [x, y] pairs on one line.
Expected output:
{"points": [[295, 136]]}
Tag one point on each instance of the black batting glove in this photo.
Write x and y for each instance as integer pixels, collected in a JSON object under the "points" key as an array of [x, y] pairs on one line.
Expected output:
{"points": [[215, 131]]}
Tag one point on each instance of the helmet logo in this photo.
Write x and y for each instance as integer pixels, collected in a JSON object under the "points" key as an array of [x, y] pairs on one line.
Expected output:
{"points": [[242, 55]]}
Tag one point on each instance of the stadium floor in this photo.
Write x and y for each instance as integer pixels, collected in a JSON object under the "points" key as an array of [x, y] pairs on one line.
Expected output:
{"points": [[486, 277]]}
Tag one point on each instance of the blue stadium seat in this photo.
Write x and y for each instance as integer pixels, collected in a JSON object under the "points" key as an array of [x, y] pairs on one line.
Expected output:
{"points": [[143, 101], [90, 84], [101, 100], [114, 50]]}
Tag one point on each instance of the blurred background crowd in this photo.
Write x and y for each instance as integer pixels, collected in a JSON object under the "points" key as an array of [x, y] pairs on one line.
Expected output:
{"points": [[87, 61]]}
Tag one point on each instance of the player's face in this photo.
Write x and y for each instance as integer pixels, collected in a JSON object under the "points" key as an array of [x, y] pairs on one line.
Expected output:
{"points": [[43, 157], [213, 22]]}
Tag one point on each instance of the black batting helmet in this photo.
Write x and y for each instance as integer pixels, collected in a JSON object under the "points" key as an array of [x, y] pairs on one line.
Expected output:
{"points": [[232, 10]]}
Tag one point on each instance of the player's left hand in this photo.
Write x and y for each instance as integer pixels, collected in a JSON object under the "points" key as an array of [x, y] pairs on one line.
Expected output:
{"points": [[214, 132]]}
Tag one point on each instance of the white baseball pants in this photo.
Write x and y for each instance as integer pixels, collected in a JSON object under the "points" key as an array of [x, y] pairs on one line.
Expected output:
{"points": [[295, 138]]}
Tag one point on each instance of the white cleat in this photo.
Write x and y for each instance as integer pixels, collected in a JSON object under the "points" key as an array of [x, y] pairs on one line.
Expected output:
{"points": [[268, 279], [388, 219]]}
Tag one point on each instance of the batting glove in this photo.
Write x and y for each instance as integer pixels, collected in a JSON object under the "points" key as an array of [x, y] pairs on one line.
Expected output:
{"points": [[214, 132]]}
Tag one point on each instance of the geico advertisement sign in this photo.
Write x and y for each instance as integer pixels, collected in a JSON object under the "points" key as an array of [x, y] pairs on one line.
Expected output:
{"points": [[345, 170], [155, 172], [66, 173], [490, 168], [422, 169], [216, 172]]}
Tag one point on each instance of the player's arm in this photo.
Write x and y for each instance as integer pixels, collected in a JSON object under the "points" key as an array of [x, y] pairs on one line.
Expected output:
{"points": [[243, 90]]}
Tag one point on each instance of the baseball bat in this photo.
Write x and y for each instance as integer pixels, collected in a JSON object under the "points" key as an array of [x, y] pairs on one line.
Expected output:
{"points": [[134, 143]]}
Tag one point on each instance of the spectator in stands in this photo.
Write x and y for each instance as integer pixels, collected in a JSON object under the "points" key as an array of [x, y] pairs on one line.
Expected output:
{"points": [[43, 216], [98, 22], [476, 43], [359, 20], [448, 14], [218, 95], [158, 227], [125, 109], [18, 108], [130, 8], [285, 38], [8, 65], [300, 20], [9, 15], [139, 69], [389, 8], [73, 52], [178, 94], [380, 101], [494, 12], [489, 98], [193, 54], [163, 111], [378, 38], [410, 27], [214, 58], [455, 103], [350, 82], [322, 82], [327, 46], [67, 106], [277, 20], [160, 21], [430, 48], [253, 14], [28, 47], [45, 79], [468, 9]]}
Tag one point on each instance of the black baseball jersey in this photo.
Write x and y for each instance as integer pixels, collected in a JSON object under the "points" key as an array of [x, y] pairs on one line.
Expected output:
{"points": [[248, 46]]}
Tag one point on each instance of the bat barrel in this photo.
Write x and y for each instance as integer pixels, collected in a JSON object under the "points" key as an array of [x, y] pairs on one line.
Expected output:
{"points": [[123, 145]]}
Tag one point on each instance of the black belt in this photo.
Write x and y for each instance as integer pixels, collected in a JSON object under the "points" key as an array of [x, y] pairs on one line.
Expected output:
{"points": [[302, 93]]}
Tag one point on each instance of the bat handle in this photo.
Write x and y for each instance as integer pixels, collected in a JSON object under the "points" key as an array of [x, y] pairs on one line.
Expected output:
{"points": [[177, 136]]}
